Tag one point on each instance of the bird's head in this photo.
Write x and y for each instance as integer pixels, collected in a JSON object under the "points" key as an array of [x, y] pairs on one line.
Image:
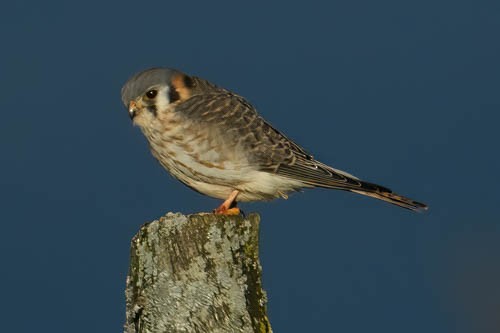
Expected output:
{"points": [[149, 93]]}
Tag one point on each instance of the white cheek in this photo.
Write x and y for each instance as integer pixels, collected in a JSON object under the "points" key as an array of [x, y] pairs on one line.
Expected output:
{"points": [[162, 100]]}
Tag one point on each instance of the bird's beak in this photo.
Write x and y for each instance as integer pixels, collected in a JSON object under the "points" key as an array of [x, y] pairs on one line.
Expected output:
{"points": [[132, 109]]}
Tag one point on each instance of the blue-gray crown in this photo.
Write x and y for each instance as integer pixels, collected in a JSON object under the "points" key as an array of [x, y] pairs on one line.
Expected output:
{"points": [[140, 82]]}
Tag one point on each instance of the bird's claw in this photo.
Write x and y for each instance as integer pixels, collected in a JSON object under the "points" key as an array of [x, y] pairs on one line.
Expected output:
{"points": [[227, 211]]}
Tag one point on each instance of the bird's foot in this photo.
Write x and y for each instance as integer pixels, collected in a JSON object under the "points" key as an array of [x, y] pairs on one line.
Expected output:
{"points": [[228, 207], [227, 211]]}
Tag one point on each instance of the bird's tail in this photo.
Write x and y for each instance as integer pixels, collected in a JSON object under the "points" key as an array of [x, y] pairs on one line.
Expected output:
{"points": [[356, 185], [382, 193], [316, 174]]}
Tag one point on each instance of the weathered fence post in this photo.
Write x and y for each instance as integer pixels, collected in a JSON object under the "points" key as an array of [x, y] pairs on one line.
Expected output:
{"points": [[196, 273]]}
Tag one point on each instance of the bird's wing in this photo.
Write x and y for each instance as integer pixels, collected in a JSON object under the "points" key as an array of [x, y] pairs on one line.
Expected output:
{"points": [[243, 127], [271, 151], [268, 148]]}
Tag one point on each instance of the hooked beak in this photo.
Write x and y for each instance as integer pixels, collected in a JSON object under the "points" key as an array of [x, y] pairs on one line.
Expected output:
{"points": [[132, 109]]}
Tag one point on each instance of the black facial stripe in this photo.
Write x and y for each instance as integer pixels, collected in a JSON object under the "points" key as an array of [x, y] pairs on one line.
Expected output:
{"points": [[173, 95], [188, 82], [152, 109]]}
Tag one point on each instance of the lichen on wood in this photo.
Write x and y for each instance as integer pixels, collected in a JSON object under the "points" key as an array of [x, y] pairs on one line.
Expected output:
{"points": [[196, 273]]}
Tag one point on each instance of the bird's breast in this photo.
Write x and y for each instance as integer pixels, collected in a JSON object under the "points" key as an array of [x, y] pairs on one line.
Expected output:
{"points": [[192, 152]]}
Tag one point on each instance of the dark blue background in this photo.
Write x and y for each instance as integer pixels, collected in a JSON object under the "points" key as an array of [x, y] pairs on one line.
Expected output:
{"points": [[402, 94]]}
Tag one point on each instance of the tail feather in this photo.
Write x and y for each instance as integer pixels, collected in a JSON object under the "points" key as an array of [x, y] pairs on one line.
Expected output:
{"points": [[395, 199], [359, 186], [385, 194], [316, 174]]}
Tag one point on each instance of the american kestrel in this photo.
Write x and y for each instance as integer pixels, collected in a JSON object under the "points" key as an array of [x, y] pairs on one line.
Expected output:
{"points": [[215, 142]]}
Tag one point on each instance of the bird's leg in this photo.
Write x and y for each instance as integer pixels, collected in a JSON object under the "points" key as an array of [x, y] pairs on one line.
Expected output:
{"points": [[228, 207]]}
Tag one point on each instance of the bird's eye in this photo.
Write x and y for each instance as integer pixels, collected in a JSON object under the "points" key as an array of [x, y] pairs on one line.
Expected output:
{"points": [[152, 93]]}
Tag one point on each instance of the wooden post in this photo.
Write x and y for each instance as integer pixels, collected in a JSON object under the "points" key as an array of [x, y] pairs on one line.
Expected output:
{"points": [[196, 273]]}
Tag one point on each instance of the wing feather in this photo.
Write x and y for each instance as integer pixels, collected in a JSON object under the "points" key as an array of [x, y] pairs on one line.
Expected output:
{"points": [[271, 151]]}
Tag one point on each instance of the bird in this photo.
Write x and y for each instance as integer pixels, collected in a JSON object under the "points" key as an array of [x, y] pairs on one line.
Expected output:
{"points": [[215, 142]]}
